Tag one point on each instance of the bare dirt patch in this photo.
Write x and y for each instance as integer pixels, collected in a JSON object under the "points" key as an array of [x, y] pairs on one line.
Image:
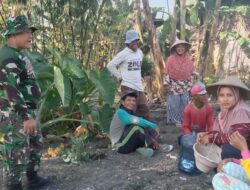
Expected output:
{"points": [[127, 172]]}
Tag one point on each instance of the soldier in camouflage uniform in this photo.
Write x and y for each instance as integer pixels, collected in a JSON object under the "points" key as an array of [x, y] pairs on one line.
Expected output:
{"points": [[19, 95]]}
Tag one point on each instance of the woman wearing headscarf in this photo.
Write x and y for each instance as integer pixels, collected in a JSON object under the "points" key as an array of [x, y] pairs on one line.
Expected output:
{"points": [[234, 115], [179, 76]]}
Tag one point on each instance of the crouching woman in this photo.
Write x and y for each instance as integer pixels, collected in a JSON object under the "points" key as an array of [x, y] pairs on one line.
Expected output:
{"points": [[234, 116]]}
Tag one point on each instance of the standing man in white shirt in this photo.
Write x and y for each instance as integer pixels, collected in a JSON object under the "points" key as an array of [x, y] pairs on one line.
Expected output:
{"points": [[126, 68]]}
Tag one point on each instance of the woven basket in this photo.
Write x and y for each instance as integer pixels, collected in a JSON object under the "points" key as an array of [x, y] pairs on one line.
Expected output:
{"points": [[207, 157]]}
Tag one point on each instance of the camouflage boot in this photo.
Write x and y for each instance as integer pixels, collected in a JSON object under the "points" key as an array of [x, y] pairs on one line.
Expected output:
{"points": [[35, 182], [14, 187]]}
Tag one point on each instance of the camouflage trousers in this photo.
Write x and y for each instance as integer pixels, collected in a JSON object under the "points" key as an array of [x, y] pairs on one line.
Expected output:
{"points": [[22, 152]]}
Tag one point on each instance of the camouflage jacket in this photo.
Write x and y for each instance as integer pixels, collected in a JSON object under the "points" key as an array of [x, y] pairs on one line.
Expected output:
{"points": [[19, 91]]}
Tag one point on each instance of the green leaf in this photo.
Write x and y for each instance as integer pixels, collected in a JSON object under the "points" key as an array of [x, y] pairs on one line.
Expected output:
{"points": [[243, 10], [1, 150], [56, 53], [245, 45], [84, 108], [191, 2], [104, 84], [223, 35], [41, 68], [166, 27], [210, 4], [72, 67], [95, 116], [105, 116], [63, 86], [193, 16], [60, 129], [52, 101]]}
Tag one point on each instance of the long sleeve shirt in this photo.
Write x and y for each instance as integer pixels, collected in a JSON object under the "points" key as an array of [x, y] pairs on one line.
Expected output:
{"points": [[126, 66], [177, 87], [194, 116], [122, 119], [245, 162], [19, 91], [223, 138]]}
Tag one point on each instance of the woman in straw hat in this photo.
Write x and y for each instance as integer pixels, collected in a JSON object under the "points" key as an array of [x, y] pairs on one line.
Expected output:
{"points": [[179, 76], [234, 115]]}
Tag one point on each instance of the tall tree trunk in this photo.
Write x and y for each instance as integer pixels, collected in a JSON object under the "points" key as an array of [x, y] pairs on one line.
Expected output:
{"points": [[225, 25], [72, 31], [95, 31], [155, 48], [209, 61], [202, 47], [173, 18], [183, 19], [137, 18]]}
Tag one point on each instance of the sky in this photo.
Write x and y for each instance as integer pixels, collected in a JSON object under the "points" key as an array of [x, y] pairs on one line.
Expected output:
{"points": [[162, 3]]}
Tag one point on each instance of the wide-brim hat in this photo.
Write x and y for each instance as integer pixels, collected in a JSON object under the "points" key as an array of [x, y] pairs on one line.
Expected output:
{"points": [[18, 24], [231, 81], [177, 42]]}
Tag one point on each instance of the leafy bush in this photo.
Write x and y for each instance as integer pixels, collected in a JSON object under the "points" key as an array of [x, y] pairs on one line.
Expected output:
{"points": [[79, 151], [211, 79], [147, 67], [68, 89]]}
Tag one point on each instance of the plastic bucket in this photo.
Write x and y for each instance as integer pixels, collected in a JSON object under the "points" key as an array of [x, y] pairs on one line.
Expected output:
{"points": [[207, 157]]}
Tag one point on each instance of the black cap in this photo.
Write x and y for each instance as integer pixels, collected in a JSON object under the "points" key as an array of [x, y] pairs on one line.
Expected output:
{"points": [[131, 93]]}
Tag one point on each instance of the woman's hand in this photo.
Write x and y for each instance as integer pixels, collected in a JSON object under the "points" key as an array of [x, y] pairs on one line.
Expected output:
{"points": [[200, 136], [238, 141], [222, 163]]}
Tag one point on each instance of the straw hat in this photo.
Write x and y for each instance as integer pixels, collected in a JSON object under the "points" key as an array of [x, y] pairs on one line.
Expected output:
{"points": [[232, 81], [177, 42]]}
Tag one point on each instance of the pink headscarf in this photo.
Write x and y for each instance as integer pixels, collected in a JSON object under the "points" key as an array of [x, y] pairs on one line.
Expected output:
{"points": [[239, 114], [179, 67]]}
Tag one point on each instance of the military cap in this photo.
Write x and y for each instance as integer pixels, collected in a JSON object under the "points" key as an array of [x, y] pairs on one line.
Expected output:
{"points": [[17, 25]]}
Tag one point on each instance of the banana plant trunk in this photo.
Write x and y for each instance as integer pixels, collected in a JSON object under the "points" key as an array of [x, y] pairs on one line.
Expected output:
{"points": [[137, 20], [173, 18], [155, 48], [209, 61], [183, 19]]}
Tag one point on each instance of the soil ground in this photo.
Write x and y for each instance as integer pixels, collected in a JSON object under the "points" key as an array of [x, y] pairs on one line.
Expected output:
{"points": [[127, 172]]}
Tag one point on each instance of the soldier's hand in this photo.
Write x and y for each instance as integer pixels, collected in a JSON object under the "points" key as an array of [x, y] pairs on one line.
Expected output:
{"points": [[29, 127]]}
